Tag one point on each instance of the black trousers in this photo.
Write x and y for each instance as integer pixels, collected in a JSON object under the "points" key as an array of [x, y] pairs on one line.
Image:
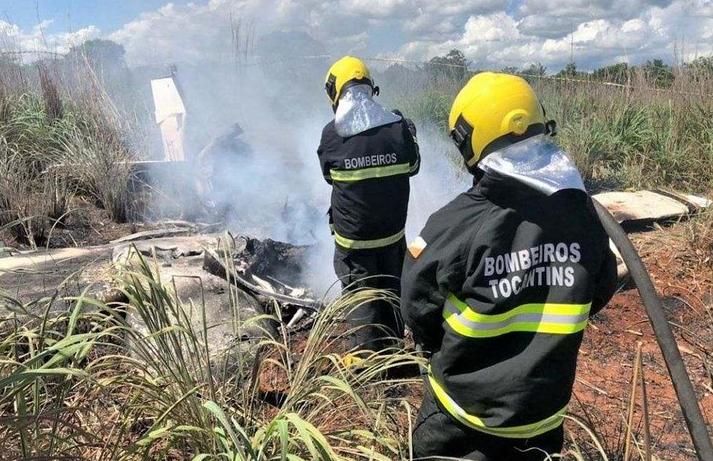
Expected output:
{"points": [[437, 435], [380, 268]]}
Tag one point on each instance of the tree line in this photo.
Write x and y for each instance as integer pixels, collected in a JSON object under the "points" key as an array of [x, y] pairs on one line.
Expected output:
{"points": [[455, 65]]}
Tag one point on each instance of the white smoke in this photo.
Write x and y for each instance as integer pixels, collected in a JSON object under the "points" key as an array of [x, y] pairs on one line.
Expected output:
{"points": [[277, 191], [441, 178]]}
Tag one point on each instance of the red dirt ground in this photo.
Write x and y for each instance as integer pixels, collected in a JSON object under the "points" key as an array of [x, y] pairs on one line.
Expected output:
{"points": [[685, 282], [602, 390]]}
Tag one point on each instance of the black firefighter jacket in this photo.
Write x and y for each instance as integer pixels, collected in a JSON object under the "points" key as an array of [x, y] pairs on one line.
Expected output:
{"points": [[369, 173], [499, 286]]}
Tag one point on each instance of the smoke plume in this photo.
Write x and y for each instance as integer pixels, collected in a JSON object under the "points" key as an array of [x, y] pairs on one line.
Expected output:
{"points": [[274, 188]]}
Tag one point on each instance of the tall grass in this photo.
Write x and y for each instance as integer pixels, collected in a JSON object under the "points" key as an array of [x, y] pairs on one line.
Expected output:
{"points": [[635, 137], [85, 383], [52, 148], [640, 137], [97, 159], [61, 134], [28, 141]]}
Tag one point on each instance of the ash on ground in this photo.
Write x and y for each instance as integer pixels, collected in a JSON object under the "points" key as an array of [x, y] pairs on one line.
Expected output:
{"points": [[271, 260]]}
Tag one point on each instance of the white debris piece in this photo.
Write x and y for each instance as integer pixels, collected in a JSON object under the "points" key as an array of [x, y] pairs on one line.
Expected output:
{"points": [[170, 115], [649, 206], [645, 208]]}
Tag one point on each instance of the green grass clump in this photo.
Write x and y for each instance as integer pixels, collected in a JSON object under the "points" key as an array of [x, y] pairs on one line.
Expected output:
{"points": [[51, 150], [638, 137], [634, 139], [85, 383]]}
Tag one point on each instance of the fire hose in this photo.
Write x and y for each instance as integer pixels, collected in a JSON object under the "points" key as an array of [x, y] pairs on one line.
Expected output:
{"points": [[664, 336]]}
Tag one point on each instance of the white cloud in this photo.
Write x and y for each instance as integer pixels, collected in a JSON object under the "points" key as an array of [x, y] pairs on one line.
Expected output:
{"points": [[35, 42], [589, 9], [494, 27], [546, 26], [597, 32], [383, 9], [180, 33]]}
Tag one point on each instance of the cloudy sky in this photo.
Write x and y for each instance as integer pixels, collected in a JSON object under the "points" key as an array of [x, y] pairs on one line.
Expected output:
{"points": [[493, 34]]}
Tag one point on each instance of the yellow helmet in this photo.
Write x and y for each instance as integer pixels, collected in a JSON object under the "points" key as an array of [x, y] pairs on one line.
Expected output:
{"points": [[493, 110], [346, 72]]}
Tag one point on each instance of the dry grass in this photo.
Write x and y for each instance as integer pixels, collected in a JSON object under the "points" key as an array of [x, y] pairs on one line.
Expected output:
{"points": [[55, 143], [637, 137], [84, 383], [699, 237]]}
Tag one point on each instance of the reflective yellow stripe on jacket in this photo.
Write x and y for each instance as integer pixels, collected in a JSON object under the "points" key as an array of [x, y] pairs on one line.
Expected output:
{"points": [[373, 172], [513, 432], [550, 318], [367, 244]]}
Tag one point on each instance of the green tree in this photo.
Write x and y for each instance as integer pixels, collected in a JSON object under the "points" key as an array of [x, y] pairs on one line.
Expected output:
{"points": [[103, 56], [658, 73], [569, 71], [535, 69], [617, 73], [105, 59], [701, 66], [453, 65]]}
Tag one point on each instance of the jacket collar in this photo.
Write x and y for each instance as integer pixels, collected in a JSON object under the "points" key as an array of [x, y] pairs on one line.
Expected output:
{"points": [[358, 112], [534, 165]]}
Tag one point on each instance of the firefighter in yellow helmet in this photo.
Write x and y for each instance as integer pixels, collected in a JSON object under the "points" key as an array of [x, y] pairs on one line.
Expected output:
{"points": [[367, 153], [501, 282]]}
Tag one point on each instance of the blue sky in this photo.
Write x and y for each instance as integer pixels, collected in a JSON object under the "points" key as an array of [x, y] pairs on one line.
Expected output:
{"points": [[68, 15], [492, 33]]}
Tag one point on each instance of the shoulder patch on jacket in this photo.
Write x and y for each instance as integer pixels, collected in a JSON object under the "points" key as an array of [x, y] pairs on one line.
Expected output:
{"points": [[417, 246]]}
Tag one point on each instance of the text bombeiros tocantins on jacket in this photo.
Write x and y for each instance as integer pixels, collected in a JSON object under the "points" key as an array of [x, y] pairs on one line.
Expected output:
{"points": [[528, 260]]}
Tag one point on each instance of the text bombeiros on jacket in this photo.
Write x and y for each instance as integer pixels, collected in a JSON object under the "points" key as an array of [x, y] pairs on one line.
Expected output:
{"points": [[370, 160]]}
